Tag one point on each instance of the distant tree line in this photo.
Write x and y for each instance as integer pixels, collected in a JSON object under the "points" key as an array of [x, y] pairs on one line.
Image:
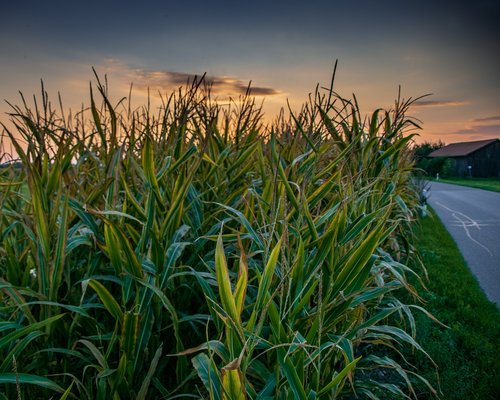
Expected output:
{"points": [[431, 166]]}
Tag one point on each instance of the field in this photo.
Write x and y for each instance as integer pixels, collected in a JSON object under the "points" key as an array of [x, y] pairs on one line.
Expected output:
{"points": [[492, 184], [191, 252]]}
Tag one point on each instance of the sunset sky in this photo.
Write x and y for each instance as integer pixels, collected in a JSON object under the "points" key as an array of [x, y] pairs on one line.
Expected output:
{"points": [[448, 48]]}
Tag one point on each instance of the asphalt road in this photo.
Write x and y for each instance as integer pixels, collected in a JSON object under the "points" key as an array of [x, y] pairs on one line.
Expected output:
{"points": [[472, 216]]}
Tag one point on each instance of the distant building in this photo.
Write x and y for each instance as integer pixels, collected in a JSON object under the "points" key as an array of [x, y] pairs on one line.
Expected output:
{"points": [[477, 159]]}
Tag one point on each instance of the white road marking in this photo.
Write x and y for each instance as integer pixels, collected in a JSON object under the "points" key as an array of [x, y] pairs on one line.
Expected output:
{"points": [[481, 224], [466, 225]]}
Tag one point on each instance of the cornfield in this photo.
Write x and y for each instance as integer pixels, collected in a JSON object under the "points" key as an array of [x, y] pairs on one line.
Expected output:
{"points": [[194, 252]]}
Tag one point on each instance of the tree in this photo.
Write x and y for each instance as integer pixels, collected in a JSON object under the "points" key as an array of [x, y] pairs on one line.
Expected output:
{"points": [[420, 151]]}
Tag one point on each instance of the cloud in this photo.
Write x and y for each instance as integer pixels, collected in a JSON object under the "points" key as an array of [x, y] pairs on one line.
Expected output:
{"points": [[439, 103], [487, 119], [166, 81], [492, 131], [467, 134]]}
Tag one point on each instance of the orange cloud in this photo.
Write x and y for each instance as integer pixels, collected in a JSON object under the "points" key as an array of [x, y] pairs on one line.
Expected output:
{"points": [[439, 103], [165, 80]]}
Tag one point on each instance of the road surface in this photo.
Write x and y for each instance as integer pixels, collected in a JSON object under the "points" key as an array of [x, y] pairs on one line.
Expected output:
{"points": [[472, 216]]}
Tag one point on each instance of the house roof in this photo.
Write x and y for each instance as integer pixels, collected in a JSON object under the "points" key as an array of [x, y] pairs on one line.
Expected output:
{"points": [[461, 149]]}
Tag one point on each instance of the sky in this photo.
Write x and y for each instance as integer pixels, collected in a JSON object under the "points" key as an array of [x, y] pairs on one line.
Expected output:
{"points": [[450, 49]]}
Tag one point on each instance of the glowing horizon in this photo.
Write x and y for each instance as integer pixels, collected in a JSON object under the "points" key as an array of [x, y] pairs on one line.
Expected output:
{"points": [[228, 88], [450, 49]]}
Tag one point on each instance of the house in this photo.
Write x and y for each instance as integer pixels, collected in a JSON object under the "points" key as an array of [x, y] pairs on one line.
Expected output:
{"points": [[476, 159]]}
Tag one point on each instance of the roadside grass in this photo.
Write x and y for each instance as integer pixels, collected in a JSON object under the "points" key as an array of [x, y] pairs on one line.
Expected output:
{"points": [[467, 352], [492, 184]]}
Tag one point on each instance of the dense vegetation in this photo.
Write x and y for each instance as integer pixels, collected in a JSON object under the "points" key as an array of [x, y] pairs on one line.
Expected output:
{"points": [[431, 166], [192, 253]]}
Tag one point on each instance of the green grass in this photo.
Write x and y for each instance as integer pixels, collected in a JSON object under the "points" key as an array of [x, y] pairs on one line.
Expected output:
{"points": [[492, 184], [466, 353]]}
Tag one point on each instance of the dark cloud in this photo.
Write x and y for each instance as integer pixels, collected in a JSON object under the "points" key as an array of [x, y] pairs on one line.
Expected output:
{"points": [[264, 91], [438, 103], [220, 85], [487, 119]]}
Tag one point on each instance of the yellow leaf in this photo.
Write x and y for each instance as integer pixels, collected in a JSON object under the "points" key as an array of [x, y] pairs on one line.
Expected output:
{"points": [[232, 384]]}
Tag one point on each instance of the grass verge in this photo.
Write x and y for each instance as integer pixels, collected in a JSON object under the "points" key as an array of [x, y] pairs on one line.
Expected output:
{"points": [[467, 352], [492, 184]]}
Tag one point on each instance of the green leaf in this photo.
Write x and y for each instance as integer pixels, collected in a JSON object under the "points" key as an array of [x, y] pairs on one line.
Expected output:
{"points": [[244, 221], [10, 338], [101, 359], [107, 299], [117, 244], [148, 165], [172, 254], [241, 284], [291, 374], [97, 119], [143, 391], [264, 285], [29, 379], [224, 283], [17, 349], [208, 374], [67, 392], [60, 252], [338, 378], [130, 329]]}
